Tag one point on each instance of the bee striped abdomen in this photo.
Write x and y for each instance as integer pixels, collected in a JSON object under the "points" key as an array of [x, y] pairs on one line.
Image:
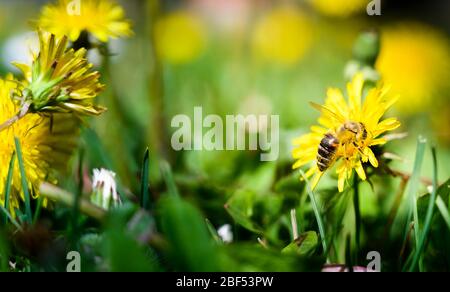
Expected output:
{"points": [[327, 151]]}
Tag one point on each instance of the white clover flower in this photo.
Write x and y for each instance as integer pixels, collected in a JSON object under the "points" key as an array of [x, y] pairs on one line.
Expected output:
{"points": [[225, 233], [105, 189]]}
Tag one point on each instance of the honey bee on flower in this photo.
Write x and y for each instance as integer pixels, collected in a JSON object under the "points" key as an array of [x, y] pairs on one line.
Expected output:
{"points": [[346, 133]]}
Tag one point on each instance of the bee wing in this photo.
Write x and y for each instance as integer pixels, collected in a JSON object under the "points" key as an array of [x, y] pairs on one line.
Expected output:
{"points": [[323, 108]]}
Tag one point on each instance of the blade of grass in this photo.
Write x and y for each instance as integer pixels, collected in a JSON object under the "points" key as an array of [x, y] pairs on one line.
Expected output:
{"points": [[145, 199], [26, 193], [13, 221], [348, 254], [37, 211], [316, 213], [429, 215], [414, 187], [74, 228], [357, 215], [443, 209], [168, 178], [8, 184], [213, 232]]}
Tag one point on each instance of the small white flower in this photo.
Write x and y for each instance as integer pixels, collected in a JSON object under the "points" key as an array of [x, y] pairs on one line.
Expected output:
{"points": [[105, 189], [225, 233]]}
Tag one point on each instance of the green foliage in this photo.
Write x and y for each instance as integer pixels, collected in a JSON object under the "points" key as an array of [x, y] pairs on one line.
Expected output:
{"points": [[191, 248], [305, 244], [119, 239]]}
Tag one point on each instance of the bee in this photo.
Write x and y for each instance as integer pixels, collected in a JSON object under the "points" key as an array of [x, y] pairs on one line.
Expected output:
{"points": [[349, 132], [326, 154]]}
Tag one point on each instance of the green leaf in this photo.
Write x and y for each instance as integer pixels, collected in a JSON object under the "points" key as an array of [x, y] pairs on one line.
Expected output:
{"points": [[304, 245], [124, 254], [259, 180], [4, 254], [167, 174], [240, 207], [241, 219], [435, 254], [191, 248], [122, 249], [254, 258], [29, 216], [290, 183], [429, 216], [145, 197], [443, 210], [414, 185], [8, 184], [213, 231]]}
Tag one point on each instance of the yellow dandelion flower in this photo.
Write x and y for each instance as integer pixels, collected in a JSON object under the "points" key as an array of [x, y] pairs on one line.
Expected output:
{"points": [[415, 60], [346, 132], [103, 19], [180, 37], [46, 146], [283, 36], [60, 79], [339, 8]]}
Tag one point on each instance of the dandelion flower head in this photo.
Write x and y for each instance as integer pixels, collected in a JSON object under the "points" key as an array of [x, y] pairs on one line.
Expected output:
{"points": [[103, 19], [415, 60], [61, 79], [284, 36], [46, 145], [180, 37]]}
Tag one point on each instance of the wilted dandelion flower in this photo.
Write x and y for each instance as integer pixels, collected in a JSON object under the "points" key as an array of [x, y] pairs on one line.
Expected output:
{"points": [[180, 37], [60, 79], [283, 36], [346, 132], [339, 8], [46, 146], [105, 189], [415, 60], [101, 18]]}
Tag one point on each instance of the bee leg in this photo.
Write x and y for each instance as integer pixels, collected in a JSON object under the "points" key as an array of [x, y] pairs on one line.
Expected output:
{"points": [[359, 150]]}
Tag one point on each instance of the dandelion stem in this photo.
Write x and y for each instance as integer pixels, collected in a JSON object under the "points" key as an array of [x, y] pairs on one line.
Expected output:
{"points": [[294, 224], [157, 137], [23, 111], [56, 194]]}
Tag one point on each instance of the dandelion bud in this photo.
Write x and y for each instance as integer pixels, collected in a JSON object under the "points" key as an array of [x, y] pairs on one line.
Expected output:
{"points": [[367, 48], [105, 189]]}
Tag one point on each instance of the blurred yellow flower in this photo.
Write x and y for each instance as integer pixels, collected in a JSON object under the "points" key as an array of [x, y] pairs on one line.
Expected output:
{"points": [[180, 37], [284, 35], [346, 132], [339, 8], [60, 79], [102, 18], [415, 59], [46, 146]]}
